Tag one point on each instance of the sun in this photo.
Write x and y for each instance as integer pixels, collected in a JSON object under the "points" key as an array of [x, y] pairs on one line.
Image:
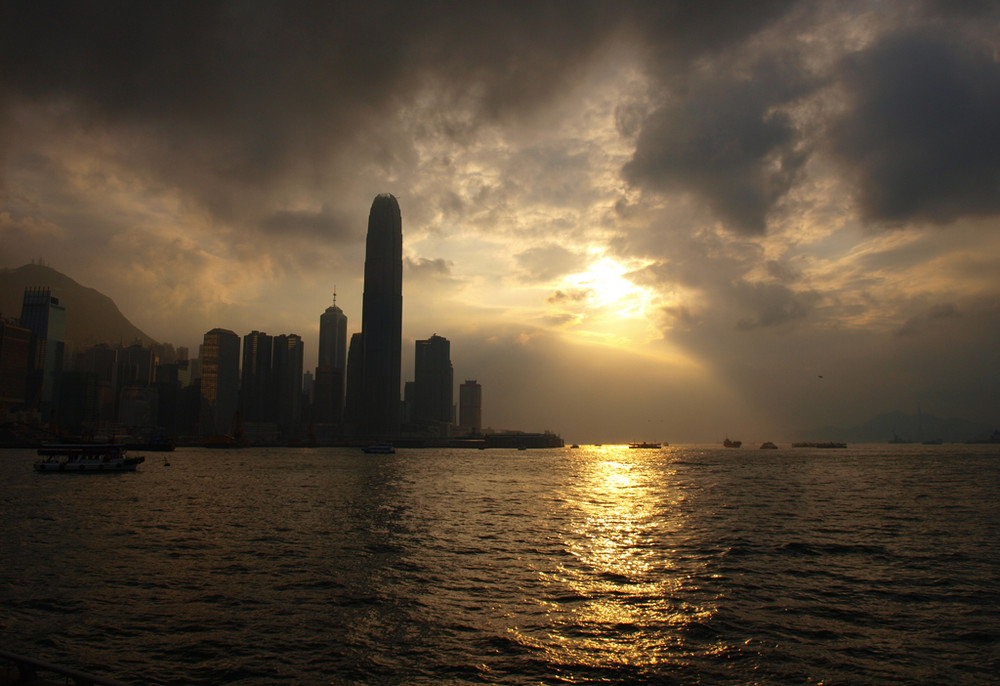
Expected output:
{"points": [[609, 289]]}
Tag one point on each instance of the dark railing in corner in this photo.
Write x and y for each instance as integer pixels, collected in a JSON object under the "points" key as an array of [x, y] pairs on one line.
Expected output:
{"points": [[18, 669]]}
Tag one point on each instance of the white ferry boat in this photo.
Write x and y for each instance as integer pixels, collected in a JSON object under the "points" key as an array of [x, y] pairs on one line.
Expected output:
{"points": [[86, 458]]}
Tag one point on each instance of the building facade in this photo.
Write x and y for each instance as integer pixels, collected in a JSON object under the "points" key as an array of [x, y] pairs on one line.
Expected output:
{"points": [[382, 320], [470, 407], [220, 381], [331, 371], [433, 384], [287, 366], [45, 317], [256, 378]]}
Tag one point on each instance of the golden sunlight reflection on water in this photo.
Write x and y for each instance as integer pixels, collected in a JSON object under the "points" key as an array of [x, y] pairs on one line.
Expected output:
{"points": [[618, 595]]}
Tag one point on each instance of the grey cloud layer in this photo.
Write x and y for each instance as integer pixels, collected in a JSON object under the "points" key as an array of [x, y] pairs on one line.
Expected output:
{"points": [[231, 96]]}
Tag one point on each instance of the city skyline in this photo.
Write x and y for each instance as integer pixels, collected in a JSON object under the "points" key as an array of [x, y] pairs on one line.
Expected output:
{"points": [[642, 220]]}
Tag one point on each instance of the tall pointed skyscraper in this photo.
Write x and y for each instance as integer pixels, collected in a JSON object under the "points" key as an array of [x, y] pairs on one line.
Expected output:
{"points": [[382, 319], [328, 400]]}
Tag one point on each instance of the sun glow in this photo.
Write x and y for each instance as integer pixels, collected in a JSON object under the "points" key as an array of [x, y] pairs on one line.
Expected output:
{"points": [[606, 286]]}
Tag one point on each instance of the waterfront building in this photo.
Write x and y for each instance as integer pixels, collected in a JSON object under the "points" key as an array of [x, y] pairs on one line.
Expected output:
{"points": [[101, 360], [433, 384], [328, 396], [470, 405], [45, 317], [355, 396], [256, 378], [136, 366], [220, 381], [287, 369], [15, 353], [382, 320]]}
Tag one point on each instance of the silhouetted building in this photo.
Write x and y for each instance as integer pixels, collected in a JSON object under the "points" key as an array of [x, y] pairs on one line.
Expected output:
{"points": [[287, 369], [409, 403], [138, 408], [136, 366], [382, 319], [256, 394], [433, 384], [220, 380], [15, 354], [470, 405], [355, 371], [77, 409], [328, 392], [45, 317], [168, 386], [102, 361]]}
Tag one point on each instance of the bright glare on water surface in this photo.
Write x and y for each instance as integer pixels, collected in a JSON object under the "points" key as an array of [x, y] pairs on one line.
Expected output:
{"points": [[691, 564]]}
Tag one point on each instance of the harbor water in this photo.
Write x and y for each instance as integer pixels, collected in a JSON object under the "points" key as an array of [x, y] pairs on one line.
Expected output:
{"points": [[874, 564]]}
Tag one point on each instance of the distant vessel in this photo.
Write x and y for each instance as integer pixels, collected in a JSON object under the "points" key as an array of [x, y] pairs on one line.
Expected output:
{"points": [[380, 449], [827, 444], [731, 444], [644, 445], [767, 445], [86, 458], [896, 440]]}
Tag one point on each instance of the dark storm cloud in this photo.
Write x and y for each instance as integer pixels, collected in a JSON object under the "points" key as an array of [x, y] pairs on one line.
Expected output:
{"points": [[246, 91], [325, 225], [726, 141], [920, 139], [771, 304]]}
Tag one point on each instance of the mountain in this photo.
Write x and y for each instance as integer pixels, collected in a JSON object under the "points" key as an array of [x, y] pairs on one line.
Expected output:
{"points": [[91, 316], [907, 427]]}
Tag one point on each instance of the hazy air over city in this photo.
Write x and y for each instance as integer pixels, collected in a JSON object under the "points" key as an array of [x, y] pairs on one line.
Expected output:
{"points": [[667, 221]]}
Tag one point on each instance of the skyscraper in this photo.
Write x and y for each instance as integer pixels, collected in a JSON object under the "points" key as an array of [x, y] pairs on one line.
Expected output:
{"points": [[45, 317], [433, 383], [256, 383], [287, 367], [355, 392], [382, 319], [470, 406], [331, 371], [220, 381]]}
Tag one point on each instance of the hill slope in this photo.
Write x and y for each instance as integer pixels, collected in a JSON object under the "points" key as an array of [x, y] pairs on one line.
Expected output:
{"points": [[91, 316]]}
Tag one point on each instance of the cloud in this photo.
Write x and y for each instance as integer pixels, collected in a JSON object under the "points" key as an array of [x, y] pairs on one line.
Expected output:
{"points": [[914, 325], [324, 225], [918, 140], [771, 304], [573, 295], [727, 141], [548, 262], [424, 268]]}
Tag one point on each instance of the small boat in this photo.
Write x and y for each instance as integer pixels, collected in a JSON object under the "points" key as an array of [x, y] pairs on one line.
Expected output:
{"points": [[731, 444], [380, 449], [767, 445], [645, 446], [86, 458]]}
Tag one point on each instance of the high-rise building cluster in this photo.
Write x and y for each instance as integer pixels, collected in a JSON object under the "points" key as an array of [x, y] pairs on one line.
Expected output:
{"points": [[262, 395]]}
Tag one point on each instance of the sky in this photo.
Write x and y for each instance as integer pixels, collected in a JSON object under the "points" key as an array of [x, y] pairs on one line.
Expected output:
{"points": [[670, 221]]}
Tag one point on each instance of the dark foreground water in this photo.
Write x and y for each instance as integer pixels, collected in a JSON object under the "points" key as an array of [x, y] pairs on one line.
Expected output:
{"points": [[690, 565]]}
